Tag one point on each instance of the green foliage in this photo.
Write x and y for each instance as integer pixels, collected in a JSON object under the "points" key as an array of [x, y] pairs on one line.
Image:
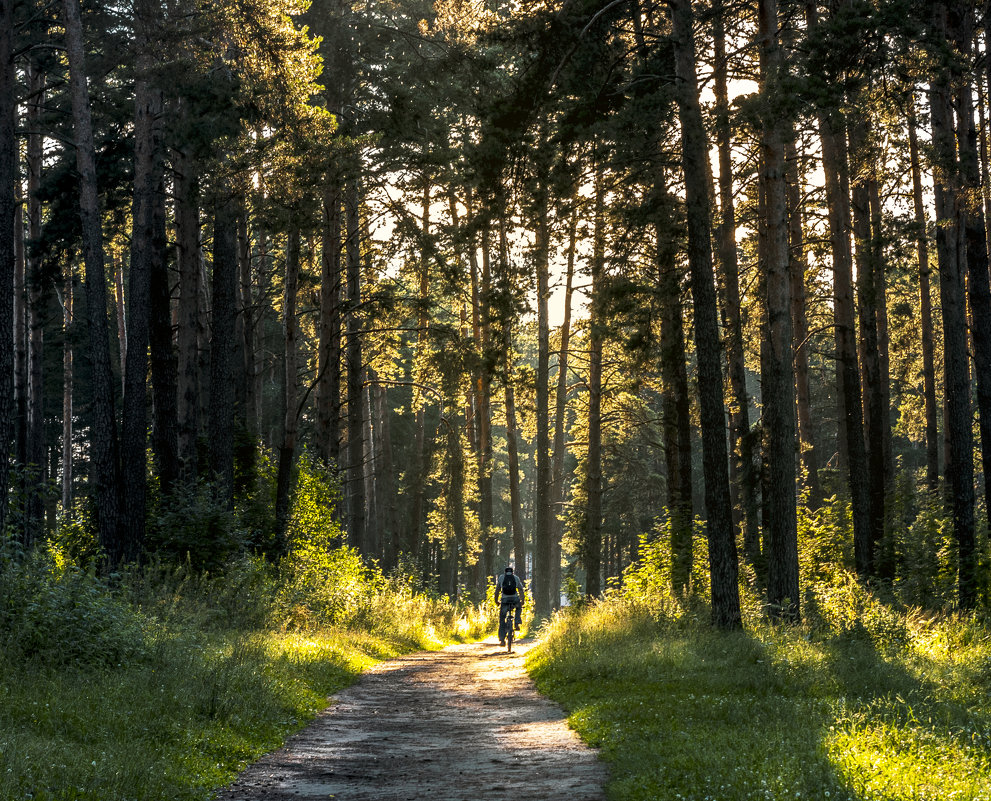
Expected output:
{"points": [[194, 525], [54, 613]]}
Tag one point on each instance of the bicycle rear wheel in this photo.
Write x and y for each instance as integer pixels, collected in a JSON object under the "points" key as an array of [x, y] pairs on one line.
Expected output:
{"points": [[510, 633]]}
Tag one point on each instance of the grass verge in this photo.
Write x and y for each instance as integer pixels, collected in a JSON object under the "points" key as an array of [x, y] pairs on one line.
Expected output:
{"points": [[166, 687], [684, 712]]}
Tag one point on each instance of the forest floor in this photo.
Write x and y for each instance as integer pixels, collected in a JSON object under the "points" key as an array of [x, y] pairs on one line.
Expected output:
{"points": [[450, 725]]}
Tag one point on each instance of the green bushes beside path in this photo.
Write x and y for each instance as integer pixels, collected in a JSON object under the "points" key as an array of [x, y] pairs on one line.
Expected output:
{"points": [[167, 684], [897, 708]]}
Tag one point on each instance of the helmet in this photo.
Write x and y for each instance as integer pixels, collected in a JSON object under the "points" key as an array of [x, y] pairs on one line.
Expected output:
{"points": [[509, 569]]}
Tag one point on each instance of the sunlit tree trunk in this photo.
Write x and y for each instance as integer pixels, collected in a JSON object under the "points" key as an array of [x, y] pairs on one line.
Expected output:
{"points": [[421, 458], [560, 406], [695, 150], [103, 429]]}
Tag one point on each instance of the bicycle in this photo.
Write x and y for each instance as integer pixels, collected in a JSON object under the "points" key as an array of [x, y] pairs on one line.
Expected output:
{"points": [[510, 630]]}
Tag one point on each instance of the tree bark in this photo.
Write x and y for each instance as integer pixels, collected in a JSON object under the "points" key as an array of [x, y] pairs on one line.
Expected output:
{"points": [[975, 234], [329, 384], [560, 405], [223, 349], [796, 273], [512, 445], [867, 303], [355, 372], [925, 311], [778, 381], [67, 390], [540, 586], [853, 451], [950, 250], [676, 421], [103, 427], [287, 448], [742, 472], [8, 202], [37, 309], [719, 511], [187, 225], [592, 546]]}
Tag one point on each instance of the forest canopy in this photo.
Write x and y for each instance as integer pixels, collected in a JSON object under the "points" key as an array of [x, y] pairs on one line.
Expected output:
{"points": [[582, 286]]}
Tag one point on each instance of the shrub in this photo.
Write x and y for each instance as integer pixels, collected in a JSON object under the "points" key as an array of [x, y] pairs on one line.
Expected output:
{"points": [[54, 612]]}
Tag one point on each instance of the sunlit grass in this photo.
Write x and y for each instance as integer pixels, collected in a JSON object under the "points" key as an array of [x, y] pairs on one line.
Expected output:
{"points": [[684, 712]]}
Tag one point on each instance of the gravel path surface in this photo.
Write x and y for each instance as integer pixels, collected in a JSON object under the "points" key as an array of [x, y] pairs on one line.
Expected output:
{"points": [[453, 725]]}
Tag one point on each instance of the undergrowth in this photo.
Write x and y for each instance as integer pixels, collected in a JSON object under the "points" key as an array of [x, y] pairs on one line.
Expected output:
{"points": [[163, 682]]}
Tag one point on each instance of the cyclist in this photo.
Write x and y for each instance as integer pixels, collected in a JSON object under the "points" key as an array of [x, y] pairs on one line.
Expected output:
{"points": [[509, 596]]}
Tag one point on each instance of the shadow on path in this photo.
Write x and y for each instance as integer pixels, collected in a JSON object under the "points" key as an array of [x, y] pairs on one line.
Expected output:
{"points": [[450, 725]]}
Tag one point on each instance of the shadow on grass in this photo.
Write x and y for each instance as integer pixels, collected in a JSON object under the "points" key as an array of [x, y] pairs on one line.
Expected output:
{"points": [[699, 714]]}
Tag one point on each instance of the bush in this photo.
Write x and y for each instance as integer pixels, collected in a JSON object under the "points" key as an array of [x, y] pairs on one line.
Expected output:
{"points": [[54, 612]]}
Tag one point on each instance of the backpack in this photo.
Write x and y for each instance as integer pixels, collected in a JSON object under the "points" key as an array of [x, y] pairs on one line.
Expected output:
{"points": [[509, 584]]}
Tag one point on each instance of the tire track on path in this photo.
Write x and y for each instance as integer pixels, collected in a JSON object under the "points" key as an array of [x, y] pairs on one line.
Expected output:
{"points": [[450, 725]]}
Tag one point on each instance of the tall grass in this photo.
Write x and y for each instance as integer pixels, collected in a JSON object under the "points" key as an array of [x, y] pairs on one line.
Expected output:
{"points": [[862, 702], [165, 682]]}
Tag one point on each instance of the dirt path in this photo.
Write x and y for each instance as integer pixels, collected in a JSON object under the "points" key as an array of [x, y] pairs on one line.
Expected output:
{"points": [[451, 725]]}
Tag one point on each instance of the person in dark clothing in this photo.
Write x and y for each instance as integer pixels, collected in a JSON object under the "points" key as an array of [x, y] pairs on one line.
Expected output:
{"points": [[509, 594]]}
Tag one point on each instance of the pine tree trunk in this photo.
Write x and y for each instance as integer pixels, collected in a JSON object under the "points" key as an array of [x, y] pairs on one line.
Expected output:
{"points": [[975, 233], [741, 440], [869, 355], [676, 421], [560, 405], [540, 587], [385, 483], [245, 426], [695, 150], [853, 451], [164, 362], [187, 227], [19, 423], [223, 350], [329, 385], [592, 546], [287, 448], [8, 203], [778, 380], [925, 311], [355, 372], [421, 457], [103, 427], [796, 273], [37, 312], [67, 390], [951, 255]]}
